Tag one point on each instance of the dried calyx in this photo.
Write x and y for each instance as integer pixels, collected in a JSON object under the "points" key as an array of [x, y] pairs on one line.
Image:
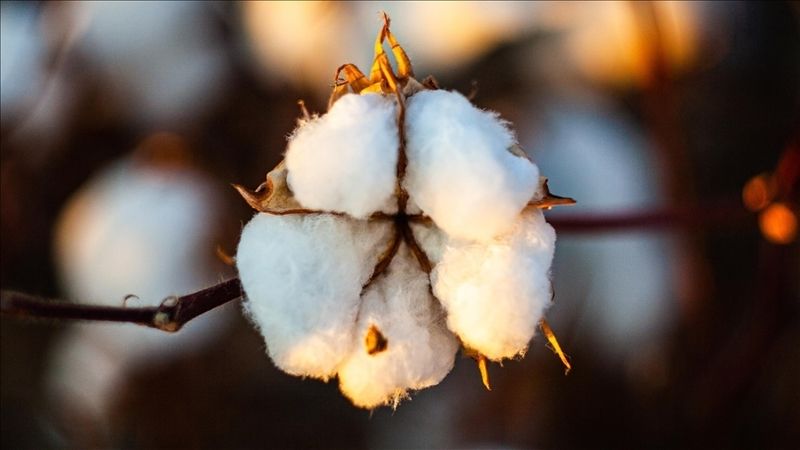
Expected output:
{"points": [[402, 224]]}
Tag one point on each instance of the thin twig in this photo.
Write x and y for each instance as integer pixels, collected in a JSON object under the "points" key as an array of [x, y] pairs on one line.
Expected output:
{"points": [[172, 314], [722, 215]]}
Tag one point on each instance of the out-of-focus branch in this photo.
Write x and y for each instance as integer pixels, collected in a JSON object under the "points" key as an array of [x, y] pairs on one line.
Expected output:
{"points": [[722, 215], [172, 314]]}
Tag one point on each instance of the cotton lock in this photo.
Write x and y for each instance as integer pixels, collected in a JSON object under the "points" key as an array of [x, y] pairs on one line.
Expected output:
{"points": [[461, 171], [345, 160]]}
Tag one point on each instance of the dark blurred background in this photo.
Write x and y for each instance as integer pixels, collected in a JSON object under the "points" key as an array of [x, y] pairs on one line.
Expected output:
{"points": [[677, 274]]}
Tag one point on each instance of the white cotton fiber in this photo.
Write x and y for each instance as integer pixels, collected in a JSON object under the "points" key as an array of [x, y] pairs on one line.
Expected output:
{"points": [[430, 239], [495, 293], [420, 350], [302, 276], [460, 170], [346, 160]]}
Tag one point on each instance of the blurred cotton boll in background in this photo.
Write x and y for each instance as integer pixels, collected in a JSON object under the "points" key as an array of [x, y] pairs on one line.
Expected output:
{"points": [[622, 284], [146, 226], [161, 59], [23, 53], [36, 95]]}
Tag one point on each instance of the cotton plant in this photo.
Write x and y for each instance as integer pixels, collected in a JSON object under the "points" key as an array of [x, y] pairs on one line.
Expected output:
{"points": [[403, 224]]}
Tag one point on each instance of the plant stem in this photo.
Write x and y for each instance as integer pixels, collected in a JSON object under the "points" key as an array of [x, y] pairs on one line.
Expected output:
{"points": [[170, 315], [712, 216]]}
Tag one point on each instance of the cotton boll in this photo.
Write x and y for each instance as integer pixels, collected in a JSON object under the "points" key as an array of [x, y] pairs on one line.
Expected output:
{"points": [[346, 160], [420, 350], [303, 276], [496, 292], [460, 170]]}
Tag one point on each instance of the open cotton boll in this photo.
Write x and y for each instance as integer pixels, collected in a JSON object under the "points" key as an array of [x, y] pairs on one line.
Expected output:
{"points": [[495, 293], [460, 170], [303, 277], [346, 160], [419, 349]]}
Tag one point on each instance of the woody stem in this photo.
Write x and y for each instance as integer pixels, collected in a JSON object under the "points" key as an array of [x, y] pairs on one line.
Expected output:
{"points": [[170, 316]]}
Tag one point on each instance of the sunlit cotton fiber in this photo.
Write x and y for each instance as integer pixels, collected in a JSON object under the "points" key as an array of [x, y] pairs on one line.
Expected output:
{"points": [[460, 169], [346, 160], [419, 349], [496, 292], [431, 240], [303, 275], [383, 301]]}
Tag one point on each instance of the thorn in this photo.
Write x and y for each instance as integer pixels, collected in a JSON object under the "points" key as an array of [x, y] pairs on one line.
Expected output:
{"points": [[549, 199], [303, 110], [250, 197], [481, 360], [551, 338], [473, 91], [224, 256], [430, 82]]}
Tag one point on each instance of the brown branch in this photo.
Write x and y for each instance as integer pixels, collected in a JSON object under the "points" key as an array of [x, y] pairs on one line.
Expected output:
{"points": [[722, 215], [172, 314]]}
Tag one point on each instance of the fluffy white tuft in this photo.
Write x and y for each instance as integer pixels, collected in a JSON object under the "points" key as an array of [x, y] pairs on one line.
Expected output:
{"points": [[346, 159], [495, 293], [420, 350], [431, 240], [460, 170], [303, 277]]}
